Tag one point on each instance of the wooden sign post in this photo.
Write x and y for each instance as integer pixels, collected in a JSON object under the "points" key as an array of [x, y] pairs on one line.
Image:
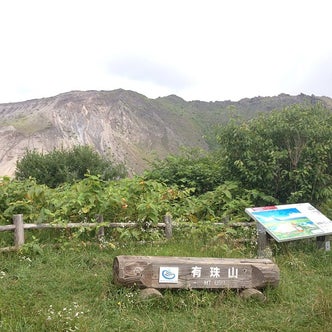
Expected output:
{"points": [[194, 272]]}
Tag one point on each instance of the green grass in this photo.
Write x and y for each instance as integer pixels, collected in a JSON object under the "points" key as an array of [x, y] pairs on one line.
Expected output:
{"points": [[30, 124], [69, 287]]}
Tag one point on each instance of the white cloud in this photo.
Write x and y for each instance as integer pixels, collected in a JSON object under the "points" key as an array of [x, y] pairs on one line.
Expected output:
{"points": [[207, 50]]}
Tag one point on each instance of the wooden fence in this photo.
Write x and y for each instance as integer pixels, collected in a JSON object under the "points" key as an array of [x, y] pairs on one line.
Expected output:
{"points": [[19, 226], [263, 238]]}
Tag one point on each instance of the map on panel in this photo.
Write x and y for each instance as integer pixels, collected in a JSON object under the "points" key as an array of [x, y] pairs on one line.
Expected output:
{"points": [[291, 221]]}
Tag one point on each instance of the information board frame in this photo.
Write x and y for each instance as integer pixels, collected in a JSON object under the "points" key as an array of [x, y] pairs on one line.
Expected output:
{"points": [[291, 221]]}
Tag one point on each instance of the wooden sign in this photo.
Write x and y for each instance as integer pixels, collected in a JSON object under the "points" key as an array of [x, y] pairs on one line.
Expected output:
{"points": [[194, 272]]}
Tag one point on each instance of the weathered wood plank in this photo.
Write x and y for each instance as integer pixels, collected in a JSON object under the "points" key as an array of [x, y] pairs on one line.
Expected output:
{"points": [[78, 225], [194, 272], [5, 228]]}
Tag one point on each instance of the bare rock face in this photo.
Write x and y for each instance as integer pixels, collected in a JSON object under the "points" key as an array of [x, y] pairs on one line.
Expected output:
{"points": [[122, 125]]}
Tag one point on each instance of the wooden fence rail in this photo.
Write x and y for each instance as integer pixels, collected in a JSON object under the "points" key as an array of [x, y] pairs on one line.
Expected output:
{"points": [[19, 226], [263, 238]]}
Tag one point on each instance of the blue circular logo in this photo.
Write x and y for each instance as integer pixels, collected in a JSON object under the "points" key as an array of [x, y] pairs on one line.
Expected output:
{"points": [[168, 274]]}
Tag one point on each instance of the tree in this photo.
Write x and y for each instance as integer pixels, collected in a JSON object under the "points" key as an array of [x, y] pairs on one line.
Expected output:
{"points": [[286, 154], [60, 166]]}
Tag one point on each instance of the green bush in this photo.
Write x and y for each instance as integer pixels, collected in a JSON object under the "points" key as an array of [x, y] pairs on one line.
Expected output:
{"points": [[66, 166], [195, 169]]}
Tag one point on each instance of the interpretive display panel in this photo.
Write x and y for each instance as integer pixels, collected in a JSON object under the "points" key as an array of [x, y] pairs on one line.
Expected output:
{"points": [[291, 221]]}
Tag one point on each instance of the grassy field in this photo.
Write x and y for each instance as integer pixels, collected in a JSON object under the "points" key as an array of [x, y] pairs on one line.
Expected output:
{"points": [[69, 288]]}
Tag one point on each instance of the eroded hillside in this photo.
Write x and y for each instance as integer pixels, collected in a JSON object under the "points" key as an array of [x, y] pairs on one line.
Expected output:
{"points": [[123, 125]]}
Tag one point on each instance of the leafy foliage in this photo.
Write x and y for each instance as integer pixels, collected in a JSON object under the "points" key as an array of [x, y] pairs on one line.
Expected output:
{"points": [[23, 197], [193, 169], [286, 154], [122, 200], [144, 202], [66, 166], [226, 203]]}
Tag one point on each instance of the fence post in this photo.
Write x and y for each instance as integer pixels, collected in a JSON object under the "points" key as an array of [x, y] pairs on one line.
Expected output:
{"points": [[263, 250], [101, 230], [323, 242], [168, 226], [19, 230]]}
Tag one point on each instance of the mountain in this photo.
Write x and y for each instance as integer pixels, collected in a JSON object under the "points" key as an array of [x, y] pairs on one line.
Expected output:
{"points": [[122, 124]]}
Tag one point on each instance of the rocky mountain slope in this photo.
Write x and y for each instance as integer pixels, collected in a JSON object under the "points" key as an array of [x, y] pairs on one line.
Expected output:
{"points": [[124, 125]]}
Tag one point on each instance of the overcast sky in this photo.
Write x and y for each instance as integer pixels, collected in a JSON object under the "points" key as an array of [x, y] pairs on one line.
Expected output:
{"points": [[197, 49]]}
